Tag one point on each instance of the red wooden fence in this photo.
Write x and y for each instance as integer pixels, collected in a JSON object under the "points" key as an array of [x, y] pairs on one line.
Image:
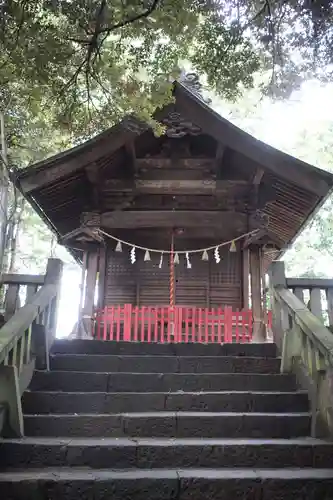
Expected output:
{"points": [[173, 324]]}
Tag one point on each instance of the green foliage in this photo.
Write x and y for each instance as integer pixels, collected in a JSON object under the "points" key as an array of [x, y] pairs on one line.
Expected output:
{"points": [[88, 62], [71, 69]]}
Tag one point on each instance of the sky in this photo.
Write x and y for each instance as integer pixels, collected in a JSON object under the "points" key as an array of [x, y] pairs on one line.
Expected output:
{"points": [[281, 123]]}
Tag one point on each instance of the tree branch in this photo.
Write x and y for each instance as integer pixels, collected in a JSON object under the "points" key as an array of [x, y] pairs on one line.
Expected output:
{"points": [[131, 20]]}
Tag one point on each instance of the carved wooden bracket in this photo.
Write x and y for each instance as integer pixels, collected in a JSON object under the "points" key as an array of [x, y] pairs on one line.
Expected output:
{"points": [[90, 219]]}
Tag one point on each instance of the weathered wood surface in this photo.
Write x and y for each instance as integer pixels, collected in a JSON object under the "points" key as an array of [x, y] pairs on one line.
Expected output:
{"points": [[25, 339], [308, 283], [23, 318], [245, 278], [319, 289], [12, 301], [14, 283], [176, 163], [22, 279], [310, 324], [164, 218], [265, 156], [108, 141], [259, 331], [307, 347], [10, 397], [176, 182]]}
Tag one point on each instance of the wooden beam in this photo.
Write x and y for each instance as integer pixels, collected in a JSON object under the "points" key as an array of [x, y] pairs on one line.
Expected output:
{"points": [[257, 178], [164, 219], [180, 163], [93, 192], [130, 150], [263, 236], [168, 186], [181, 186], [277, 162], [69, 162], [220, 150]]}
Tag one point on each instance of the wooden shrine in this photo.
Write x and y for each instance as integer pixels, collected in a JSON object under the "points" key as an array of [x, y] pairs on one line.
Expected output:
{"points": [[200, 184]]}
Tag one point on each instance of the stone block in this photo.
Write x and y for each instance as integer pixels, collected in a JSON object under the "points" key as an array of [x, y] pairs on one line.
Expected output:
{"points": [[207, 426], [29, 454], [208, 401], [62, 402], [276, 425], [120, 455], [217, 488], [150, 425], [163, 487], [290, 488], [133, 402], [69, 381], [136, 382], [73, 425], [242, 364], [279, 402], [149, 364], [85, 362]]}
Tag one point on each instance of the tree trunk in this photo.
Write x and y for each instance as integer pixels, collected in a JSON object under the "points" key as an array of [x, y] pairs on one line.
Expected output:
{"points": [[15, 224], [3, 190]]}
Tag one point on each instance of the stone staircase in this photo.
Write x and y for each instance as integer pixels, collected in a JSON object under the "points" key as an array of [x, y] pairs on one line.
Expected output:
{"points": [[165, 421]]}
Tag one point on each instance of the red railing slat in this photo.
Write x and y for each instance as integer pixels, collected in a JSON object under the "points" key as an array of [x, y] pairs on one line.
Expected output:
{"points": [[174, 324]]}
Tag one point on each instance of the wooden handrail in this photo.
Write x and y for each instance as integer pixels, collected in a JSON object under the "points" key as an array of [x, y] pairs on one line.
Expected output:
{"points": [[17, 325], [309, 283], [22, 279], [308, 322], [306, 347], [25, 342], [317, 293]]}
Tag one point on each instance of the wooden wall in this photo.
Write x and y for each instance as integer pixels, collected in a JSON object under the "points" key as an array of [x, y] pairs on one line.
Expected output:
{"points": [[207, 284]]}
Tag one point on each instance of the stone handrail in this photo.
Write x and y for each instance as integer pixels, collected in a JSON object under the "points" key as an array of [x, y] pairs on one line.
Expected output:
{"points": [[25, 341], [306, 347]]}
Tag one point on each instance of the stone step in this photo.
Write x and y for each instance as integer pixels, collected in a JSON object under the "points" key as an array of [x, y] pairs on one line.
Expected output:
{"points": [[164, 364], [71, 381], [172, 484], [171, 424], [125, 453], [78, 346], [40, 402]]}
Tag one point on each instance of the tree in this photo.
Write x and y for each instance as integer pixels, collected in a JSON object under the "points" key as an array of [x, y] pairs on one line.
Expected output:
{"points": [[92, 61]]}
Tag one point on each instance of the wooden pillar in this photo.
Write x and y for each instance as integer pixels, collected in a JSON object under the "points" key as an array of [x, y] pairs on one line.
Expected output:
{"points": [[88, 307], [259, 328], [101, 277], [245, 278]]}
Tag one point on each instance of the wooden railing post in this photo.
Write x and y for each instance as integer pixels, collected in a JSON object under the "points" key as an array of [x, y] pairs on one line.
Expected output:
{"points": [[277, 279], [307, 345], [284, 334], [44, 328], [53, 277], [10, 402], [259, 327], [25, 342]]}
